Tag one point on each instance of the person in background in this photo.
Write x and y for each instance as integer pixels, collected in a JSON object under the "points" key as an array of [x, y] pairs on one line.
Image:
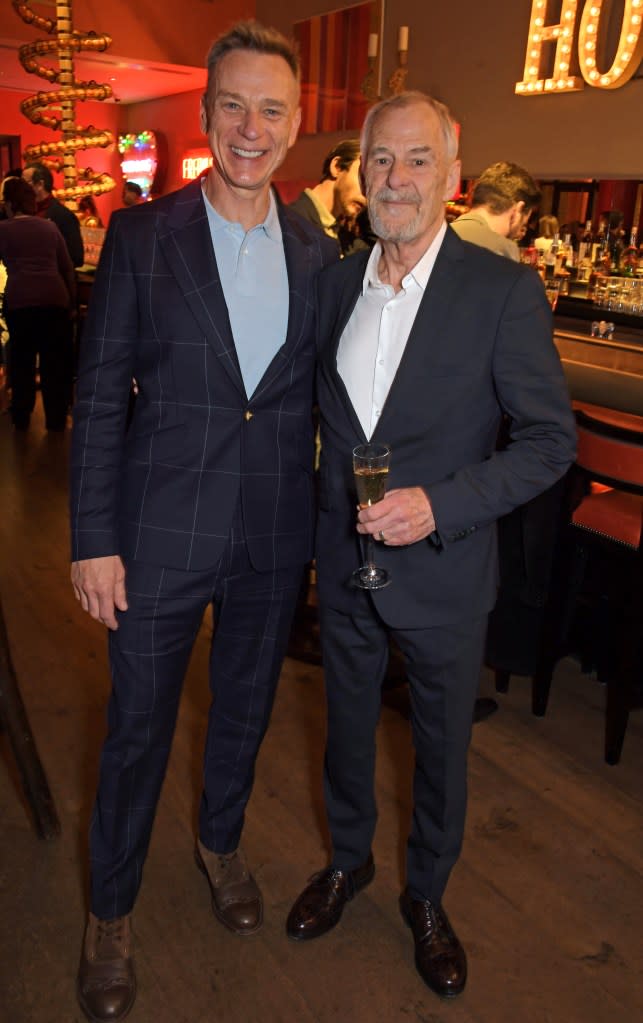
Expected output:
{"points": [[548, 227], [425, 342], [206, 298], [88, 212], [41, 179], [132, 194], [503, 199], [39, 296], [336, 202]]}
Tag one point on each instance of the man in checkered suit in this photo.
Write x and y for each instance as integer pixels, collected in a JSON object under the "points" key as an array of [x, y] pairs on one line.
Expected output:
{"points": [[206, 298]]}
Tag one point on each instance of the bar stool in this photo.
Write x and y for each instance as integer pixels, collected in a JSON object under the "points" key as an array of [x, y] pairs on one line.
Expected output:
{"points": [[608, 519]]}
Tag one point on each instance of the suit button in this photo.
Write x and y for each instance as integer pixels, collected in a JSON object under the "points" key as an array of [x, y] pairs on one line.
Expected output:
{"points": [[248, 415]]}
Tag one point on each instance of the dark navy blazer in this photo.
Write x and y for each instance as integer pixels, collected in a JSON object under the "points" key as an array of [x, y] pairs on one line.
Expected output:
{"points": [[165, 490], [481, 345]]}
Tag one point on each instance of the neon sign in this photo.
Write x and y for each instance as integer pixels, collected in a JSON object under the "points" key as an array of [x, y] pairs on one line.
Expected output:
{"points": [[139, 159], [626, 61], [194, 162]]}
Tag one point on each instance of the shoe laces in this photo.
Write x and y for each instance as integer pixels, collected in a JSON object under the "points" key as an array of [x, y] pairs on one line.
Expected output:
{"points": [[111, 937]]}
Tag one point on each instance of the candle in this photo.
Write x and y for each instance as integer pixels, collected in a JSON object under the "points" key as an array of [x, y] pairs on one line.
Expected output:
{"points": [[372, 44], [403, 38]]}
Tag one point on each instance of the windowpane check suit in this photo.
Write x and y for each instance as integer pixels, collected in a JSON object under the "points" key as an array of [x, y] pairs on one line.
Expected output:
{"points": [[207, 497]]}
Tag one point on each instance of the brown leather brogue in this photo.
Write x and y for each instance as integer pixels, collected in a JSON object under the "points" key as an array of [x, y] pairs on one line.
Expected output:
{"points": [[439, 956], [321, 904], [236, 899], [106, 983]]}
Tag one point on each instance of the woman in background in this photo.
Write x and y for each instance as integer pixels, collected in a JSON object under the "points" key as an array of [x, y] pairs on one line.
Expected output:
{"points": [[88, 212], [549, 227], [39, 297]]}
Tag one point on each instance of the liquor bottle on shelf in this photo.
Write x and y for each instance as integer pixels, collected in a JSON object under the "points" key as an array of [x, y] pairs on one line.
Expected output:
{"points": [[565, 264], [598, 242], [569, 256], [630, 256], [601, 265], [585, 245], [551, 257], [604, 256], [584, 264]]}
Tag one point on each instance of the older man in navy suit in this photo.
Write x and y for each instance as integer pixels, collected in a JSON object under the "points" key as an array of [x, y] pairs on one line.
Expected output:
{"points": [[426, 342], [205, 297]]}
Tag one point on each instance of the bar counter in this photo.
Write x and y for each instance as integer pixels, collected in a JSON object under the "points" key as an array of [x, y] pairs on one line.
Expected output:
{"points": [[602, 371]]}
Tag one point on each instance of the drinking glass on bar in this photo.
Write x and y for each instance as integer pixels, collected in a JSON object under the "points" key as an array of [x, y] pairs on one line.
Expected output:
{"points": [[370, 468]]}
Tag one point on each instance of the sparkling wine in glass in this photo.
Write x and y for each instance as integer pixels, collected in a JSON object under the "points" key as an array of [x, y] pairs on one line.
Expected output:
{"points": [[370, 468]]}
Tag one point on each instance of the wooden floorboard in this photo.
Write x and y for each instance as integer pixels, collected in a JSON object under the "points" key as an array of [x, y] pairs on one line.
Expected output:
{"points": [[547, 895]]}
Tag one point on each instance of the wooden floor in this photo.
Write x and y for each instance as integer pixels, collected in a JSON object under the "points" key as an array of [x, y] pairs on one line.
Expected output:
{"points": [[547, 897]]}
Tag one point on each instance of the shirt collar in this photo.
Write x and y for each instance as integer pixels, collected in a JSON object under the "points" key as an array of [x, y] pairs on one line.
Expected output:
{"points": [[326, 218], [420, 272], [270, 225]]}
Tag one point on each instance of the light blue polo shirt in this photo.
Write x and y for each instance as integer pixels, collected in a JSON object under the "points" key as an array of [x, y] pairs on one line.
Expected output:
{"points": [[252, 265]]}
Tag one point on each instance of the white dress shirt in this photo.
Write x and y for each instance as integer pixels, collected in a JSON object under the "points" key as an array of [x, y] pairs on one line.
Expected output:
{"points": [[373, 342]]}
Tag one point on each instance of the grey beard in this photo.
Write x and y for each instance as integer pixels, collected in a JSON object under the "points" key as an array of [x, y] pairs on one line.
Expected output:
{"points": [[392, 233]]}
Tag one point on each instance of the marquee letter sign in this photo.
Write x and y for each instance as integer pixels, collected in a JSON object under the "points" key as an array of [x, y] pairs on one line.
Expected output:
{"points": [[628, 55]]}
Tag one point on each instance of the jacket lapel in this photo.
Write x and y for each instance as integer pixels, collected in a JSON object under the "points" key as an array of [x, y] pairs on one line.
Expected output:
{"points": [[429, 326], [355, 268], [185, 240]]}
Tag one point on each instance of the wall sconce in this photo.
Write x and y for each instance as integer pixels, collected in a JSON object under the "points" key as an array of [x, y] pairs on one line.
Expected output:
{"points": [[368, 88], [397, 81]]}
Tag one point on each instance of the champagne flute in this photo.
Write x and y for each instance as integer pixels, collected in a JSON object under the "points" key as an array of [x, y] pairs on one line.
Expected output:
{"points": [[370, 468]]}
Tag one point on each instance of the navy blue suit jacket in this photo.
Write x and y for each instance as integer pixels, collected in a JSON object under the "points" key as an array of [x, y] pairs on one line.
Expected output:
{"points": [[165, 490], [481, 345]]}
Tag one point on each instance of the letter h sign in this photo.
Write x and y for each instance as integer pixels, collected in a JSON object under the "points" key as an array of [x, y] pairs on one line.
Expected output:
{"points": [[628, 54]]}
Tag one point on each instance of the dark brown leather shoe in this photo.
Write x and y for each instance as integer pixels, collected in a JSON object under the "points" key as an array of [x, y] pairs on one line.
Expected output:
{"points": [[236, 899], [106, 983], [439, 956], [321, 904]]}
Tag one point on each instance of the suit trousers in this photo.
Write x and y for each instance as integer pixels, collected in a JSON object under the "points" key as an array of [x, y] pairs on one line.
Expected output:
{"points": [[149, 654], [443, 670]]}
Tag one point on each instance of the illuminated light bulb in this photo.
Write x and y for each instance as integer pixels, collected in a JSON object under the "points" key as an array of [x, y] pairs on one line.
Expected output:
{"points": [[556, 32], [563, 67], [534, 54], [590, 62], [536, 38], [530, 87], [589, 45], [539, 86], [625, 57], [636, 19], [605, 80], [631, 38], [593, 75], [539, 21], [533, 70], [567, 32]]}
